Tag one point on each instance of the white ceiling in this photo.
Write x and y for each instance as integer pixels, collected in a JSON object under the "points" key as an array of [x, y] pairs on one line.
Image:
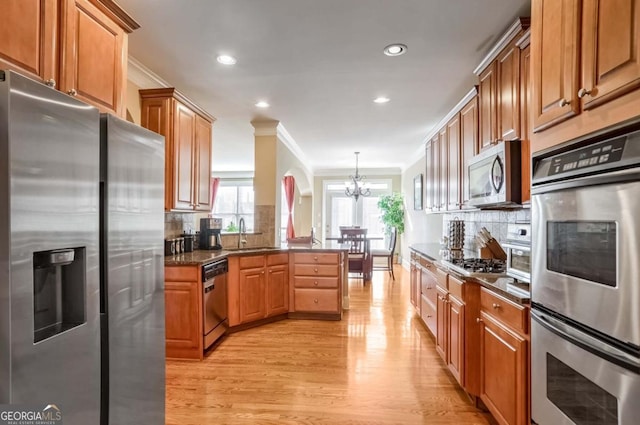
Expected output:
{"points": [[319, 63]]}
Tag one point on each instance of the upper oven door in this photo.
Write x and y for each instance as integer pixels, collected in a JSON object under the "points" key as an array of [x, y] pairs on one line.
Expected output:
{"points": [[585, 250]]}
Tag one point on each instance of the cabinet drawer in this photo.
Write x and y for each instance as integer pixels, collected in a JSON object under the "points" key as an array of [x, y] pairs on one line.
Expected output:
{"points": [[315, 282], [509, 313], [315, 270], [441, 278], [428, 314], [275, 259], [456, 287], [315, 258], [252, 262], [325, 300]]}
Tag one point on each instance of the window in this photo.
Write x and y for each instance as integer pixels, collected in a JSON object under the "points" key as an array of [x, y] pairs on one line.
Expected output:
{"points": [[341, 210], [234, 200]]}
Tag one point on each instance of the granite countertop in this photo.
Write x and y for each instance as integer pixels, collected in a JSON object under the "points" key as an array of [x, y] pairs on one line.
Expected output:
{"points": [[202, 257], [496, 284]]}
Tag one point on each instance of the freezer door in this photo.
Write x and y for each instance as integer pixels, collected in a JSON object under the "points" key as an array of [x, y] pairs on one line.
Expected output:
{"points": [[133, 174], [50, 202]]}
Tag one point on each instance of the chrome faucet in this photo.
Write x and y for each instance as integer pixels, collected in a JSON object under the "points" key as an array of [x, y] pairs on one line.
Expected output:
{"points": [[242, 230]]}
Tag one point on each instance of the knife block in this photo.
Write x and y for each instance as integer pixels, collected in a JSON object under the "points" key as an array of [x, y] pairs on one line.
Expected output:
{"points": [[485, 253]]}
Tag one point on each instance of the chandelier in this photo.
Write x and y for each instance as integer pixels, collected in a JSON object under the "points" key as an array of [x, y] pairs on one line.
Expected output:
{"points": [[356, 187]]}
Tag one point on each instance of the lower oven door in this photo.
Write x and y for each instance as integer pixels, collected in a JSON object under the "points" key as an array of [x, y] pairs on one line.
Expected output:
{"points": [[577, 379]]}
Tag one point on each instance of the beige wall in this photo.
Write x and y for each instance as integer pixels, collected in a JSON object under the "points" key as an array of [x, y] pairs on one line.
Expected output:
{"points": [[289, 164], [264, 181], [133, 103], [419, 227]]}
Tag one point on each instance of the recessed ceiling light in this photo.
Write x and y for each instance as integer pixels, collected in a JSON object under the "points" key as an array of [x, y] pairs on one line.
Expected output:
{"points": [[226, 60], [381, 99], [395, 49], [262, 104]]}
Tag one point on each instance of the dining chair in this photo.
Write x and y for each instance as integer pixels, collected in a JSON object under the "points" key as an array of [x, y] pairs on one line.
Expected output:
{"points": [[359, 257], [386, 253]]}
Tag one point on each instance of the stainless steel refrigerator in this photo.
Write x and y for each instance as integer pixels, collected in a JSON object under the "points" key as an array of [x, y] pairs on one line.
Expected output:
{"points": [[81, 267]]}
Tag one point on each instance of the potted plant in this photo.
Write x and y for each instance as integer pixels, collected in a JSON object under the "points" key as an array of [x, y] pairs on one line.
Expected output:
{"points": [[392, 207]]}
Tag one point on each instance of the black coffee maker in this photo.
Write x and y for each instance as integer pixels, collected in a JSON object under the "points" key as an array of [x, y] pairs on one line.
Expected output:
{"points": [[210, 233]]}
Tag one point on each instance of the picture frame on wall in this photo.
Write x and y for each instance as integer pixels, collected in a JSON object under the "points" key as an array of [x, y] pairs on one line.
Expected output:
{"points": [[417, 192]]}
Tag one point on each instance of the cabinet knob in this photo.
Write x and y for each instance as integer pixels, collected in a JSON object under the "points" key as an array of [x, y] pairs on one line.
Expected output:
{"points": [[51, 82], [315, 258], [270, 271], [494, 305], [315, 283], [315, 270], [478, 320], [428, 316], [72, 92], [563, 103], [262, 272], [583, 92], [315, 301]]}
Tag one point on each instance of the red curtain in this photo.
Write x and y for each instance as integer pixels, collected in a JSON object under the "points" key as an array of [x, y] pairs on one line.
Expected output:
{"points": [[215, 182], [289, 191]]}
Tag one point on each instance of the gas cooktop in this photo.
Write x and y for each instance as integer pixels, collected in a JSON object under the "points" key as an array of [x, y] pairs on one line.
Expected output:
{"points": [[477, 266]]}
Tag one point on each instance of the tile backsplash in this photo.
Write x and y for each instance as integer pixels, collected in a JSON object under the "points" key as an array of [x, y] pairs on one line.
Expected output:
{"points": [[495, 221]]}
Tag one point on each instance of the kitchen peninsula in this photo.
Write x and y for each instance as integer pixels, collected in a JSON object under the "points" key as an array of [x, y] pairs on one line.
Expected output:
{"points": [[264, 285]]}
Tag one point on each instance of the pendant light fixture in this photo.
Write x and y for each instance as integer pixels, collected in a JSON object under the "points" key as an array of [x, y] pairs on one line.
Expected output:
{"points": [[356, 188]]}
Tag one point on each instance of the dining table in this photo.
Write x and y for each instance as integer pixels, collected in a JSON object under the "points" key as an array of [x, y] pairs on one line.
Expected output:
{"points": [[368, 273]]}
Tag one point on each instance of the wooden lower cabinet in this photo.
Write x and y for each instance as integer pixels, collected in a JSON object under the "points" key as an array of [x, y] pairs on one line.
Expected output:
{"points": [[317, 284], [183, 312], [441, 329], [252, 287], [504, 359], [262, 288], [277, 290], [455, 338]]}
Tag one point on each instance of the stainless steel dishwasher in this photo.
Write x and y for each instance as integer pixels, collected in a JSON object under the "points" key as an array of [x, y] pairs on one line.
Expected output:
{"points": [[214, 300]]}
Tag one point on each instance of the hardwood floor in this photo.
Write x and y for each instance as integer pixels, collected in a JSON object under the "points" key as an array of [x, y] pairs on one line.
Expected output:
{"points": [[376, 366]]}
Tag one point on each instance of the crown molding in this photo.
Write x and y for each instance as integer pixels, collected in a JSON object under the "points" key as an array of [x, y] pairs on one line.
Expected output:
{"points": [[525, 40], [142, 76], [265, 127], [519, 25], [461, 104], [276, 128]]}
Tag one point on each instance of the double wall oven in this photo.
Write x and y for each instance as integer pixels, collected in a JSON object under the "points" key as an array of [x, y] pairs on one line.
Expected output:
{"points": [[586, 282]]}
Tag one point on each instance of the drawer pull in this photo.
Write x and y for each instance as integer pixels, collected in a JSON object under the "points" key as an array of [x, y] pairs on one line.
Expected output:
{"points": [[72, 92], [315, 301], [478, 320], [315, 258], [495, 305], [262, 272], [315, 283], [315, 270]]}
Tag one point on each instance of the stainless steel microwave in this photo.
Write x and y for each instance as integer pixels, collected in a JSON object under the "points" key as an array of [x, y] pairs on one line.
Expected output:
{"points": [[494, 176]]}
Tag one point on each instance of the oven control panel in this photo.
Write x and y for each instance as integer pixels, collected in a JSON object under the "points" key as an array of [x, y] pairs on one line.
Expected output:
{"points": [[598, 154]]}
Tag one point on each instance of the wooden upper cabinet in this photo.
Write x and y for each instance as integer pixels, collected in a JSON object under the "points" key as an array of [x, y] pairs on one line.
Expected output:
{"points": [[525, 122], [487, 93], [469, 141], [183, 153], [453, 163], [203, 145], [77, 46], [29, 29], [610, 50], [187, 130], [555, 36], [443, 189], [508, 93], [429, 182]]}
